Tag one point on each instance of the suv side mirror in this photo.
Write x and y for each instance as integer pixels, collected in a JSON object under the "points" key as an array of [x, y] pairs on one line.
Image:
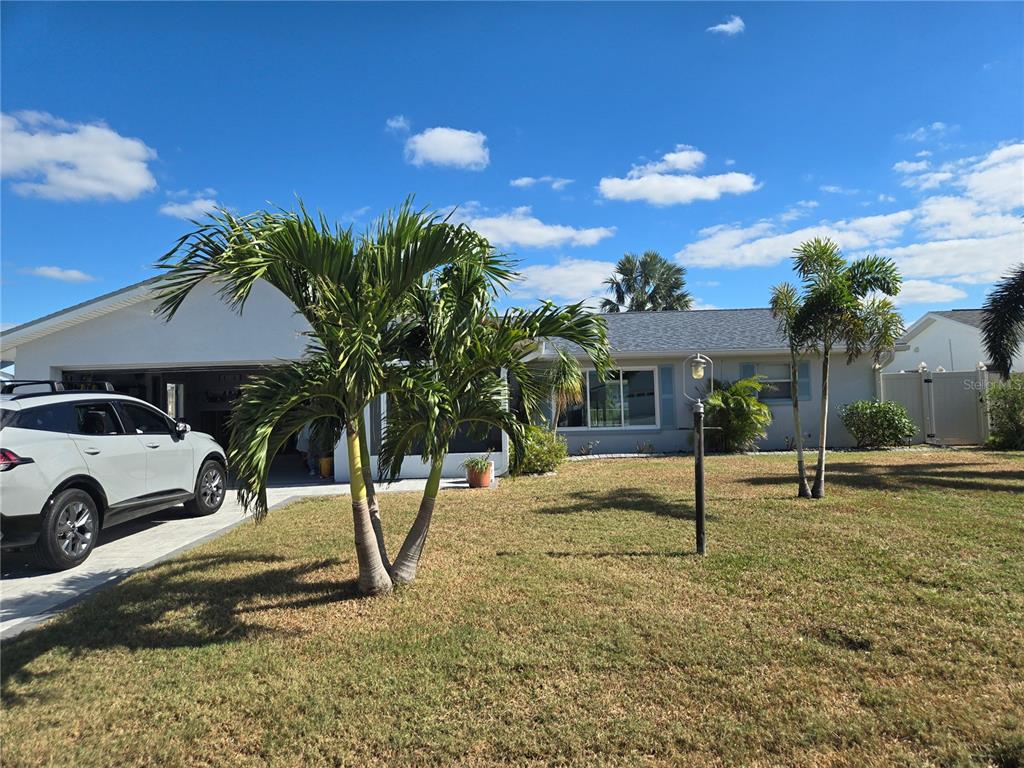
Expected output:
{"points": [[182, 428]]}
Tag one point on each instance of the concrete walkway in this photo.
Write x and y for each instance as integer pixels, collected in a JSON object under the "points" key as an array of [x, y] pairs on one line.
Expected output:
{"points": [[29, 595]]}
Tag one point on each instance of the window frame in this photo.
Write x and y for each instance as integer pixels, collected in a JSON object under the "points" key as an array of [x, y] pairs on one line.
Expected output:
{"points": [[773, 399], [126, 418], [112, 404], [623, 427]]}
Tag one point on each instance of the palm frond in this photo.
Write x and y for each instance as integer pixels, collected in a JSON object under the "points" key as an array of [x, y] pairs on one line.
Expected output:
{"points": [[1002, 324]]}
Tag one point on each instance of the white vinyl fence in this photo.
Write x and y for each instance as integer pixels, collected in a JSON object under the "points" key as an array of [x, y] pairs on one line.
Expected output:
{"points": [[948, 407]]}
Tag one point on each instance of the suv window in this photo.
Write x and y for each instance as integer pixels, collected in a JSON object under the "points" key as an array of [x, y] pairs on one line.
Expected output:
{"points": [[145, 421], [55, 417], [97, 419]]}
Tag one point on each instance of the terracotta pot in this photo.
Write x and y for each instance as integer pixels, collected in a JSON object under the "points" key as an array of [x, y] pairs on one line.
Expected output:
{"points": [[478, 479], [327, 468]]}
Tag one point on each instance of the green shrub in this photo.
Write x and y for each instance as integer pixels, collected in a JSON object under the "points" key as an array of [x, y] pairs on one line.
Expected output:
{"points": [[740, 417], [1006, 413], [544, 451], [874, 424]]}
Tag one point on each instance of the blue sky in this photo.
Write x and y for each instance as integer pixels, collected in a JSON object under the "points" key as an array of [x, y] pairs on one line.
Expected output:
{"points": [[718, 134]]}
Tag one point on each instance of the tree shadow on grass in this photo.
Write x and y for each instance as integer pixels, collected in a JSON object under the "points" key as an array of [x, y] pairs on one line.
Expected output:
{"points": [[908, 477], [624, 500], [193, 602]]}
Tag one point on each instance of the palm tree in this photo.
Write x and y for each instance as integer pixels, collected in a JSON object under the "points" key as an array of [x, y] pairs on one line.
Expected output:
{"points": [[454, 380], [648, 283], [785, 305], [565, 380], [349, 291], [1002, 324], [835, 311]]}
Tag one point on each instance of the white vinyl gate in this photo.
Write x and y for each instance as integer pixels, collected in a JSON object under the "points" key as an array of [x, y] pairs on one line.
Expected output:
{"points": [[948, 407]]}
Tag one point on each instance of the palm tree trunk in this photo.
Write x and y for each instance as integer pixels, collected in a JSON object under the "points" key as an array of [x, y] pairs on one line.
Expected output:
{"points": [[404, 569], [371, 493], [803, 489], [373, 576], [554, 417], [818, 491]]}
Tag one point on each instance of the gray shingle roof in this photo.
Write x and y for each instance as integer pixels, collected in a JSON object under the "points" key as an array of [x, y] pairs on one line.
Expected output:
{"points": [[693, 330], [966, 316]]}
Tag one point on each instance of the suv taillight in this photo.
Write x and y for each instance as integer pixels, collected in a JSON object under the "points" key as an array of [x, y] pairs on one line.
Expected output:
{"points": [[9, 460]]}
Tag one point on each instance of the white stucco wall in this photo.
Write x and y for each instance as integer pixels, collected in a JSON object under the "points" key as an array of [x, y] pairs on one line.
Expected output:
{"points": [[947, 343], [204, 332]]}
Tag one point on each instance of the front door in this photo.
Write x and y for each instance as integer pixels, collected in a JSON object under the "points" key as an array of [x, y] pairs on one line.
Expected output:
{"points": [[114, 457]]}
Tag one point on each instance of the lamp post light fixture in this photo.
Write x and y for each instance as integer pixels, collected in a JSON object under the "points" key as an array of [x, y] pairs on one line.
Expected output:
{"points": [[697, 365]]}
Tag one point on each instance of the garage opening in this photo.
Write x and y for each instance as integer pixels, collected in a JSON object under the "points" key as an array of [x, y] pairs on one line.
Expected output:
{"points": [[203, 398]]}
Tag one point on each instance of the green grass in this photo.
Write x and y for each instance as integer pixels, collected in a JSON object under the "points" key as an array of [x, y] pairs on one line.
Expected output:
{"points": [[563, 620]]}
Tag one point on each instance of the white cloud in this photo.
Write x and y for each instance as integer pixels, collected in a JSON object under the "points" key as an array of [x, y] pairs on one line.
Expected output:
{"points": [[765, 243], [555, 182], [193, 209], [999, 178], [663, 189], [61, 274], [971, 235], [835, 189], [884, 198], [58, 160], [397, 124], [729, 161], [666, 181], [449, 147], [907, 166], [927, 180], [683, 158], [566, 280], [928, 292], [799, 210], [935, 130], [520, 227], [732, 26], [924, 153]]}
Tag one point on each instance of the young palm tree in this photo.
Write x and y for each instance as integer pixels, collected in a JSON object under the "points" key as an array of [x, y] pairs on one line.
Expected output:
{"points": [[785, 305], [1002, 324], [835, 311], [454, 378], [349, 291], [565, 380], [648, 283]]}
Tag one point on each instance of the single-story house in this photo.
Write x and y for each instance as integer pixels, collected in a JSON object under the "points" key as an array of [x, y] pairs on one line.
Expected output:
{"points": [[948, 339], [193, 365], [644, 404]]}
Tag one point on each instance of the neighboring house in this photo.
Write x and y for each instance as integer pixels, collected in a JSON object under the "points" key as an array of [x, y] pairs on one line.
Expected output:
{"points": [[644, 402], [948, 339], [192, 366]]}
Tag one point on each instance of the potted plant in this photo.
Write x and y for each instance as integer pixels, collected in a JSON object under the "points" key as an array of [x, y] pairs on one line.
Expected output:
{"points": [[479, 471]]}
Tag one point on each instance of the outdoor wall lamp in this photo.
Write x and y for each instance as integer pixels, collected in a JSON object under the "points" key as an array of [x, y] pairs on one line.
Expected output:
{"points": [[698, 364]]}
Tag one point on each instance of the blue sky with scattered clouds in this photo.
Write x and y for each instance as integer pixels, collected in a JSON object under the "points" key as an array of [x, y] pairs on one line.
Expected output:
{"points": [[720, 135]]}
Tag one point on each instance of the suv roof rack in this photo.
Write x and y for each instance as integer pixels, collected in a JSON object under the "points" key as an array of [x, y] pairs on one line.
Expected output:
{"points": [[56, 387]]}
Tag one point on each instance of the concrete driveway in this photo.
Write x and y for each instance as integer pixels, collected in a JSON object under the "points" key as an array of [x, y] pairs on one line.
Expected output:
{"points": [[29, 596]]}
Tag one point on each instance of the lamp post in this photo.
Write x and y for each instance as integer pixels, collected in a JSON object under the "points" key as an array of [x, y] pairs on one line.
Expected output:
{"points": [[697, 365]]}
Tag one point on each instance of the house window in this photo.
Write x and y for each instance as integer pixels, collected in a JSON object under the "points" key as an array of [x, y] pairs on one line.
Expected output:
{"points": [[776, 384], [624, 398], [776, 380]]}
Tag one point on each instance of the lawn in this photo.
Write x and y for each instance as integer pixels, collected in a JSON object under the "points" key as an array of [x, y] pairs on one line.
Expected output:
{"points": [[564, 620]]}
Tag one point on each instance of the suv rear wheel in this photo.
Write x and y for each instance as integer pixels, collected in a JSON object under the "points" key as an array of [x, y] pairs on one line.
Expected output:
{"points": [[69, 530], [211, 485]]}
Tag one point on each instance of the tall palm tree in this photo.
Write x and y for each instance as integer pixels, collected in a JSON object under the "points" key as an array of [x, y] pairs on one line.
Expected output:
{"points": [[349, 290], [454, 378], [835, 310], [648, 283], [1002, 324], [565, 380], [785, 306]]}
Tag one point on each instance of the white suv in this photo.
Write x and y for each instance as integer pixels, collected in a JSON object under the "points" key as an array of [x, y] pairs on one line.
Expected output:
{"points": [[72, 463]]}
